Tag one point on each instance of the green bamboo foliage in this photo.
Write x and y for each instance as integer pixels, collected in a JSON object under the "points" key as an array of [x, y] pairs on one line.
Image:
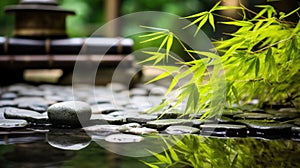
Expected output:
{"points": [[260, 60], [194, 151]]}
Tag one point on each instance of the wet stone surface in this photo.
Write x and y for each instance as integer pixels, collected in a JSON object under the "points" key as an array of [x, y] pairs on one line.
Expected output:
{"points": [[9, 123], [117, 114], [123, 138], [69, 113], [181, 129], [28, 115]]}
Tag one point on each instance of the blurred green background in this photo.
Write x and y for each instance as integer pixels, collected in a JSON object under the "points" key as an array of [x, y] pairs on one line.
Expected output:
{"points": [[90, 14]]}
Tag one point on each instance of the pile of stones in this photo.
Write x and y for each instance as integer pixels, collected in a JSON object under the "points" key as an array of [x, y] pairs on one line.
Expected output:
{"points": [[117, 114]]}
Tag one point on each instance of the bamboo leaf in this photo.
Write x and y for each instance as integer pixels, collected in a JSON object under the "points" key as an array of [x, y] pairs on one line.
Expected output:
{"points": [[235, 92], [153, 38], [159, 107], [168, 68], [228, 7], [215, 6], [169, 161], [257, 66], [169, 44], [160, 157], [251, 66], [260, 14], [195, 21], [287, 15], [172, 85], [173, 154], [150, 165], [196, 15], [201, 24], [204, 53], [163, 43], [156, 56], [154, 28], [151, 34], [159, 77], [211, 21], [148, 59], [239, 23]]}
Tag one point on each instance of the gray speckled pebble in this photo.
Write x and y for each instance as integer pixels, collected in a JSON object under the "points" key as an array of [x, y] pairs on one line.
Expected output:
{"points": [[28, 115], [10, 123], [181, 129], [69, 113], [123, 138]]}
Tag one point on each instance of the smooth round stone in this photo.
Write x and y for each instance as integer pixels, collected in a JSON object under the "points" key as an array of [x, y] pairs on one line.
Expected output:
{"points": [[181, 129], [142, 131], [55, 98], [265, 129], [222, 126], [229, 130], [230, 113], [11, 123], [297, 121], [28, 115], [257, 116], [2, 113], [138, 92], [104, 108], [70, 113], [264, 125], [158, 91], [31, 93], [98, 100], [108, 118], [25, 102], [161, 124], [283, 116], [141, 118], [116, 87], [123, 138], [8, 103], [132, 125], [257, 110], [169, 114], [224, 119], [8, 96], [288, 110], [296, 130], [103, 128], [35, 107]]}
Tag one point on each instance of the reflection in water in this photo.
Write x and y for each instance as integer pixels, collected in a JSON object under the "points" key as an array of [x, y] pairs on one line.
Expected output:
{"points": [[63, 139], [40, 154], [35, 155], [200, 152], [61, 148], [75, 149]]}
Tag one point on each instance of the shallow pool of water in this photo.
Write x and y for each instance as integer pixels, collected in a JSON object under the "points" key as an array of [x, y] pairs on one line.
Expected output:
{"points": [[36, 152]]}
